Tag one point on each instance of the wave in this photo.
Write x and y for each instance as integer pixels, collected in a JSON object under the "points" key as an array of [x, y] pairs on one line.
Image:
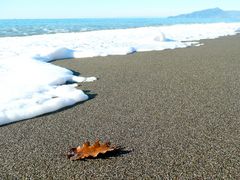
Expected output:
{"points": [[30, 86]]}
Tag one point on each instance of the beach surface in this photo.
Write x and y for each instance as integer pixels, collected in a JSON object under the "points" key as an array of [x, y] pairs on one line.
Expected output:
{"points": [[175, 112]]}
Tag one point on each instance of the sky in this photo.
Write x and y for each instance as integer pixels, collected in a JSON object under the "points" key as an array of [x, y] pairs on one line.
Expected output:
{"points": [[32, 9]]}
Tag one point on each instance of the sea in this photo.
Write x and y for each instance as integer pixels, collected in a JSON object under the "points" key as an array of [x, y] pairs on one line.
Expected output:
{"points": [[32, 86], [27, 27]]}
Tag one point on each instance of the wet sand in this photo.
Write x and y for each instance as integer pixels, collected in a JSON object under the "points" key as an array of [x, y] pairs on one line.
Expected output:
{"points": [[176, 112]]}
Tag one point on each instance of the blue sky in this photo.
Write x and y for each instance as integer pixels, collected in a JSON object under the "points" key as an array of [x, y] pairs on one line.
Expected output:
{"points": [[11, 9]]}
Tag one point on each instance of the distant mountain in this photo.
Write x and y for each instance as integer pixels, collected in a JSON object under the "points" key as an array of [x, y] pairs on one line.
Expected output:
{"points": [[211, 13]]}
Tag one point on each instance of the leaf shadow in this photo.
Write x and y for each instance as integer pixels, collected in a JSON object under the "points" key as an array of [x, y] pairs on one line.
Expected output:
{"points": [[120, 151]]}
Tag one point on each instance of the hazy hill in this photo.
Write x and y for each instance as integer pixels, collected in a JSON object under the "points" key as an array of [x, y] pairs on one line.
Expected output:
{"points": [[211, 13]]}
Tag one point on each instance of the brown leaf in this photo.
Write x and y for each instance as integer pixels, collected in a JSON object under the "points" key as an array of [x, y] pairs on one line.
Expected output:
{"points": [[89, 151]]}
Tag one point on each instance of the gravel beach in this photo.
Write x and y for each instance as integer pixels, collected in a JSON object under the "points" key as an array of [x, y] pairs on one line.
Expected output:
{"points": [[175, 112]]}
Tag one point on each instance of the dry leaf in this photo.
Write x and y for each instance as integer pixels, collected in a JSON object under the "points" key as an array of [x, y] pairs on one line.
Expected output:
{"points": [[90, 151]]}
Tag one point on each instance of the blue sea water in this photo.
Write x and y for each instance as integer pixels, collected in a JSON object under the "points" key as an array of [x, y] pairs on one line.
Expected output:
{"points": [[26, 27]]}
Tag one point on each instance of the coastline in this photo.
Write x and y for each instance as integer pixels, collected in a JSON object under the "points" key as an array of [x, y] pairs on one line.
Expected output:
{"points": [[178, 110]]}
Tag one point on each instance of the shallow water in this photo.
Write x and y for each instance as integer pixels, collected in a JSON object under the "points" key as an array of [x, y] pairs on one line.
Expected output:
{"points": [[26, 27]]}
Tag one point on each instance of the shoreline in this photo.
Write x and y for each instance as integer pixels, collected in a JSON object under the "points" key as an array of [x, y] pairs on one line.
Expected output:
{"points": [[178, 110]]}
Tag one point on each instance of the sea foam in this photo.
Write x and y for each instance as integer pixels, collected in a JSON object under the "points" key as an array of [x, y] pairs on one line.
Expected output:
{"points": [[30, 86]]}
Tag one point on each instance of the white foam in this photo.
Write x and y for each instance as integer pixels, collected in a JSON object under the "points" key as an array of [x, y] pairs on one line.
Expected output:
{"points": [[112, 42], [30, 86]]}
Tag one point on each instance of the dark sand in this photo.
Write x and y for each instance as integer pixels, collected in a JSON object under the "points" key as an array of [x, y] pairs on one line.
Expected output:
{"points": [[178, 110]]}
